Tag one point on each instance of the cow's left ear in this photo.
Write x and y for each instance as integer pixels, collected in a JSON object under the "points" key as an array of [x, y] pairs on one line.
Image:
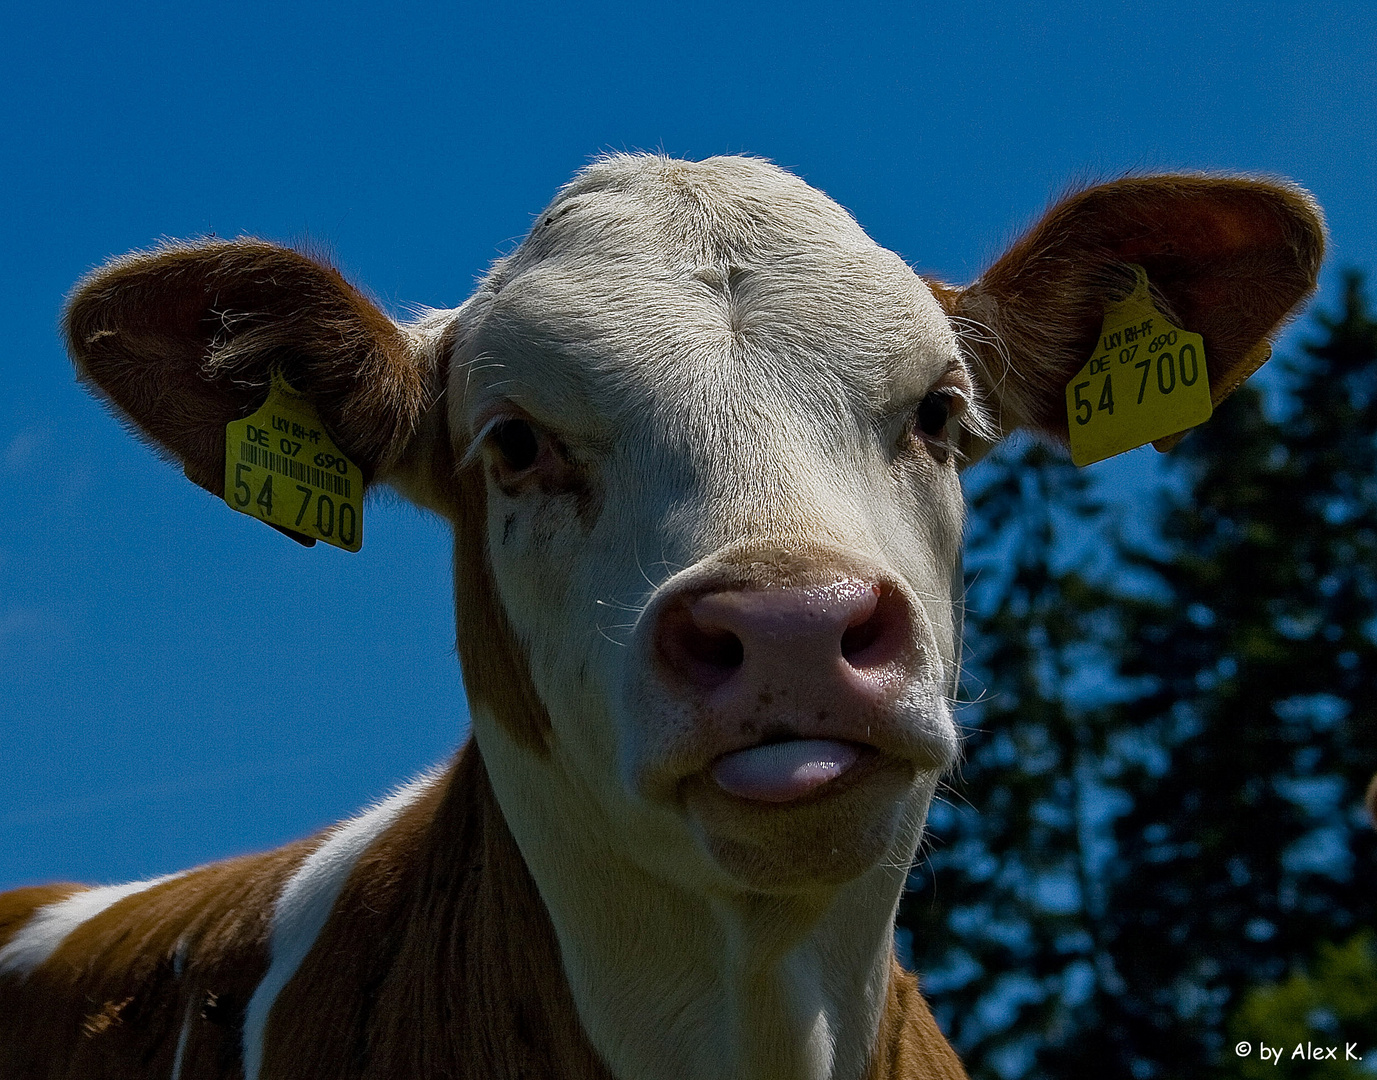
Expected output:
{"points": [[184, 339], [1227, 258]]}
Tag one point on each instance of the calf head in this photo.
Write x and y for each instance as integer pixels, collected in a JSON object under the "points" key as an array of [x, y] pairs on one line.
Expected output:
{"points": [[699, 438]]}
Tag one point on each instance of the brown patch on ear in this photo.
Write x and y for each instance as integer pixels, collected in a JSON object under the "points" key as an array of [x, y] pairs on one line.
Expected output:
{"points": [[948, 296], [184, 339], [496, 669], [424, 471], [1229, 259]]}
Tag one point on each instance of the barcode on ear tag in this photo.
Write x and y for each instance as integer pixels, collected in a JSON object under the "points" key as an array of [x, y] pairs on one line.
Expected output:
{"points": [[282, 468], [1145, 381]]}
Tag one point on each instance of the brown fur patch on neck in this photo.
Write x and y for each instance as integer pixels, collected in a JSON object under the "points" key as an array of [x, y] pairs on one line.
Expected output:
{"points": [[439, 959], [910, 1045]]}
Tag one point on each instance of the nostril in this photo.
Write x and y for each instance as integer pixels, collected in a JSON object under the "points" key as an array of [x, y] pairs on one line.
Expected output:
{"points": [[718, 649], [704, 656], [878, 634], [856, 639]]}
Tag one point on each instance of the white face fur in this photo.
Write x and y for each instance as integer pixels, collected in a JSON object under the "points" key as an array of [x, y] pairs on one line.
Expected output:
{"points": [[691, 378]]}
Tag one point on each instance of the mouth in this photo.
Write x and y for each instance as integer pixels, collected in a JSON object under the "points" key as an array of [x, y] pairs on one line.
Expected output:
{"points": [[800, 812], [810, 762], [792, 770]]}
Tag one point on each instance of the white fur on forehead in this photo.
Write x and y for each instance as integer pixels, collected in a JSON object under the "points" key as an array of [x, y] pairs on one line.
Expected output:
{"points": [[682, 266], [703, 212]]}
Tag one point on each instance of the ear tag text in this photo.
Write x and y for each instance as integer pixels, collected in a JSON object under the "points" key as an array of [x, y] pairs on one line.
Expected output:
{"points": [[282, 468], [1145, 381]]}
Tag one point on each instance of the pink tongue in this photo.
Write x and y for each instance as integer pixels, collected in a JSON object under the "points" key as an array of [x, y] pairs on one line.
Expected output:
{"points": [[783, 771]]}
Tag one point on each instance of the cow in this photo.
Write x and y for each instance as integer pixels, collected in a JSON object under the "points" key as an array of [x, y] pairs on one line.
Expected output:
{"points": [[699, 438]]}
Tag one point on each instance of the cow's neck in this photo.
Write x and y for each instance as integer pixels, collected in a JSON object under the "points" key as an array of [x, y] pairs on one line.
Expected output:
{"points": [[670, 983]]}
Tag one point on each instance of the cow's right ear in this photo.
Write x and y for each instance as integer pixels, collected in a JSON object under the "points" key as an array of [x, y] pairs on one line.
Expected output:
{"points": [[184, 339]]}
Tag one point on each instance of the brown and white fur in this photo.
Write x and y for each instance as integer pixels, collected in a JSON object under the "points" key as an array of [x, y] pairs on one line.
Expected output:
{"points": [[699, 439]]}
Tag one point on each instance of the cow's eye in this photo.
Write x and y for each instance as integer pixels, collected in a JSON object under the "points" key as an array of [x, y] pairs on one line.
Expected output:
{"points": [[518, 444], [933, 413], [929, 422]]}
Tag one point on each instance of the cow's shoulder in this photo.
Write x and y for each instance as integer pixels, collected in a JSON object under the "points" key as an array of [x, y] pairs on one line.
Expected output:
{"points": [[143, 978]]}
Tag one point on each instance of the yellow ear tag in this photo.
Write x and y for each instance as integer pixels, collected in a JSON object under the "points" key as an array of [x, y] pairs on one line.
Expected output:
{"points": [[282, 468], [1145, 381]]}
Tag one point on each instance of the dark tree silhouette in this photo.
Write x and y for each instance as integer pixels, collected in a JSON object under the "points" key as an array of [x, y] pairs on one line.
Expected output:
{"points": [[1162, 799]]}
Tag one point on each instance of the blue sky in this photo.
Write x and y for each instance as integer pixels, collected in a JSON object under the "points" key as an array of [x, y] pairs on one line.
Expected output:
{"points": [[156, 710]]}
